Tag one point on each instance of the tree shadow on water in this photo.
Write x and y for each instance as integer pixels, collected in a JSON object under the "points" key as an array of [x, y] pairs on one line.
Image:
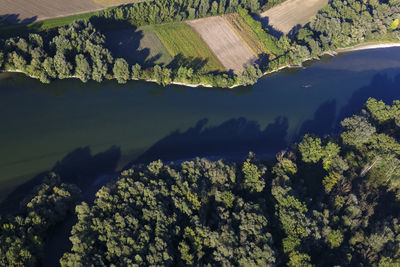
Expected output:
{"points": [[232, 139], [79, 167], [322, 122], [381, 87]]}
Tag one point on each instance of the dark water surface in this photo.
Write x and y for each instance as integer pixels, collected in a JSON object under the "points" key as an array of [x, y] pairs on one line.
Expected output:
{"points": [[84, 130]]}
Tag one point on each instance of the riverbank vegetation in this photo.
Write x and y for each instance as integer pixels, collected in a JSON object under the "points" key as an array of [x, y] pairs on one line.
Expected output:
{"points": [[327, 201], [23, 234]]}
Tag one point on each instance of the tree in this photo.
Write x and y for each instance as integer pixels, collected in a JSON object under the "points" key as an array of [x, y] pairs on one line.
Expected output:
{"points": [[214, 8], [48, 65], [162, 75], [335, 238], [252, 177], [121, 70], [62, 66], [136, 71], [250, 75], [356, 130], [311, 149], [18, 61], [82, 70]]}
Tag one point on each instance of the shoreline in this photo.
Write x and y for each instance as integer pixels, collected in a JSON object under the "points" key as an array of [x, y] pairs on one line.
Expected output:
{"points": [[367, 46], [333, 53], [359, 47]]}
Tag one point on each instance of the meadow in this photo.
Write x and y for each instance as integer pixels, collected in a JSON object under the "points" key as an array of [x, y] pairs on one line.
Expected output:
{"points": [[140, 45], [186, 46]]}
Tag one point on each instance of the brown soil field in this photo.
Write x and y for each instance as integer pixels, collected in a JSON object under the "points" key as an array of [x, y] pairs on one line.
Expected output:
{"points": [[16, 11], [108, 3], [223, 42], [246, 34], [284, 17]]}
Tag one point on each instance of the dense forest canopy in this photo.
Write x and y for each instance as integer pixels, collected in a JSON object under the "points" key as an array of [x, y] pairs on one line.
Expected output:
{"points": [[329, 201]]}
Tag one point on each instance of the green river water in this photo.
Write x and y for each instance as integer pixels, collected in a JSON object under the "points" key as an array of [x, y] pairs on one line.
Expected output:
{"points": [[86, 129]]}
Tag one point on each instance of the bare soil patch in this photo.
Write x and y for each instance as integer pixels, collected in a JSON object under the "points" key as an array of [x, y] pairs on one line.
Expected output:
{"points": [[24, 11], [287, 15], [223, 42]]}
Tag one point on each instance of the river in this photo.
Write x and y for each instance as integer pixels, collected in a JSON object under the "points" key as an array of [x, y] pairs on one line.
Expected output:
{"points": [[82, 130]]}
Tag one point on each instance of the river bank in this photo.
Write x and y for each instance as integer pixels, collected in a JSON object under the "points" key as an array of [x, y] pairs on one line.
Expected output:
{"points": [[364, 46]]}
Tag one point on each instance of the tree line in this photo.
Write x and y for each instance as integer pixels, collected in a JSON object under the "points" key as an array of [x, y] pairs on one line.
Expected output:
{"points": [[79, 51], [347, 23]]}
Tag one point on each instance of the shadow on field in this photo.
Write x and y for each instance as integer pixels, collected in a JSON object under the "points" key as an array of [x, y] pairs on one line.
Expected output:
{"points": [[188, 62], [11, 25], [6, 19], [265, 23], [79, 167]]}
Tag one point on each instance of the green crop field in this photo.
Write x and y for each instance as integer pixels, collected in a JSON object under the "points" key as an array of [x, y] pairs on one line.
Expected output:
{"points": [[246, 34], [185, 44]]}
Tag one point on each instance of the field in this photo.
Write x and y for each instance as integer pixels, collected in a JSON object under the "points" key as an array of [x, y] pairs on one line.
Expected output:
{"points": [[186, 47], [141, 46], [22, 11], [246, 34], [9, 30], [223, 42], [287, 15], [114, 2]]}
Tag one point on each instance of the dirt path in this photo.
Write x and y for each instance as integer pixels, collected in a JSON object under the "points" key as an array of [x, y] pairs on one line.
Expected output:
{"points": [[223, 42], [290, 13], [18, 11]]}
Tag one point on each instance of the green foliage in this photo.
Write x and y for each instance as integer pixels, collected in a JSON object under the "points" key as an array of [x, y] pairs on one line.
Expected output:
{"points": [[356, 130], [182, 41], [121, 70], [335, 238], [311, 149], [330, 181], [253, 181], [172, 215], [299, 259], [227, 198], [82, 70], [166, 11], [22, 236], [269, 41], [250, 75]]}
